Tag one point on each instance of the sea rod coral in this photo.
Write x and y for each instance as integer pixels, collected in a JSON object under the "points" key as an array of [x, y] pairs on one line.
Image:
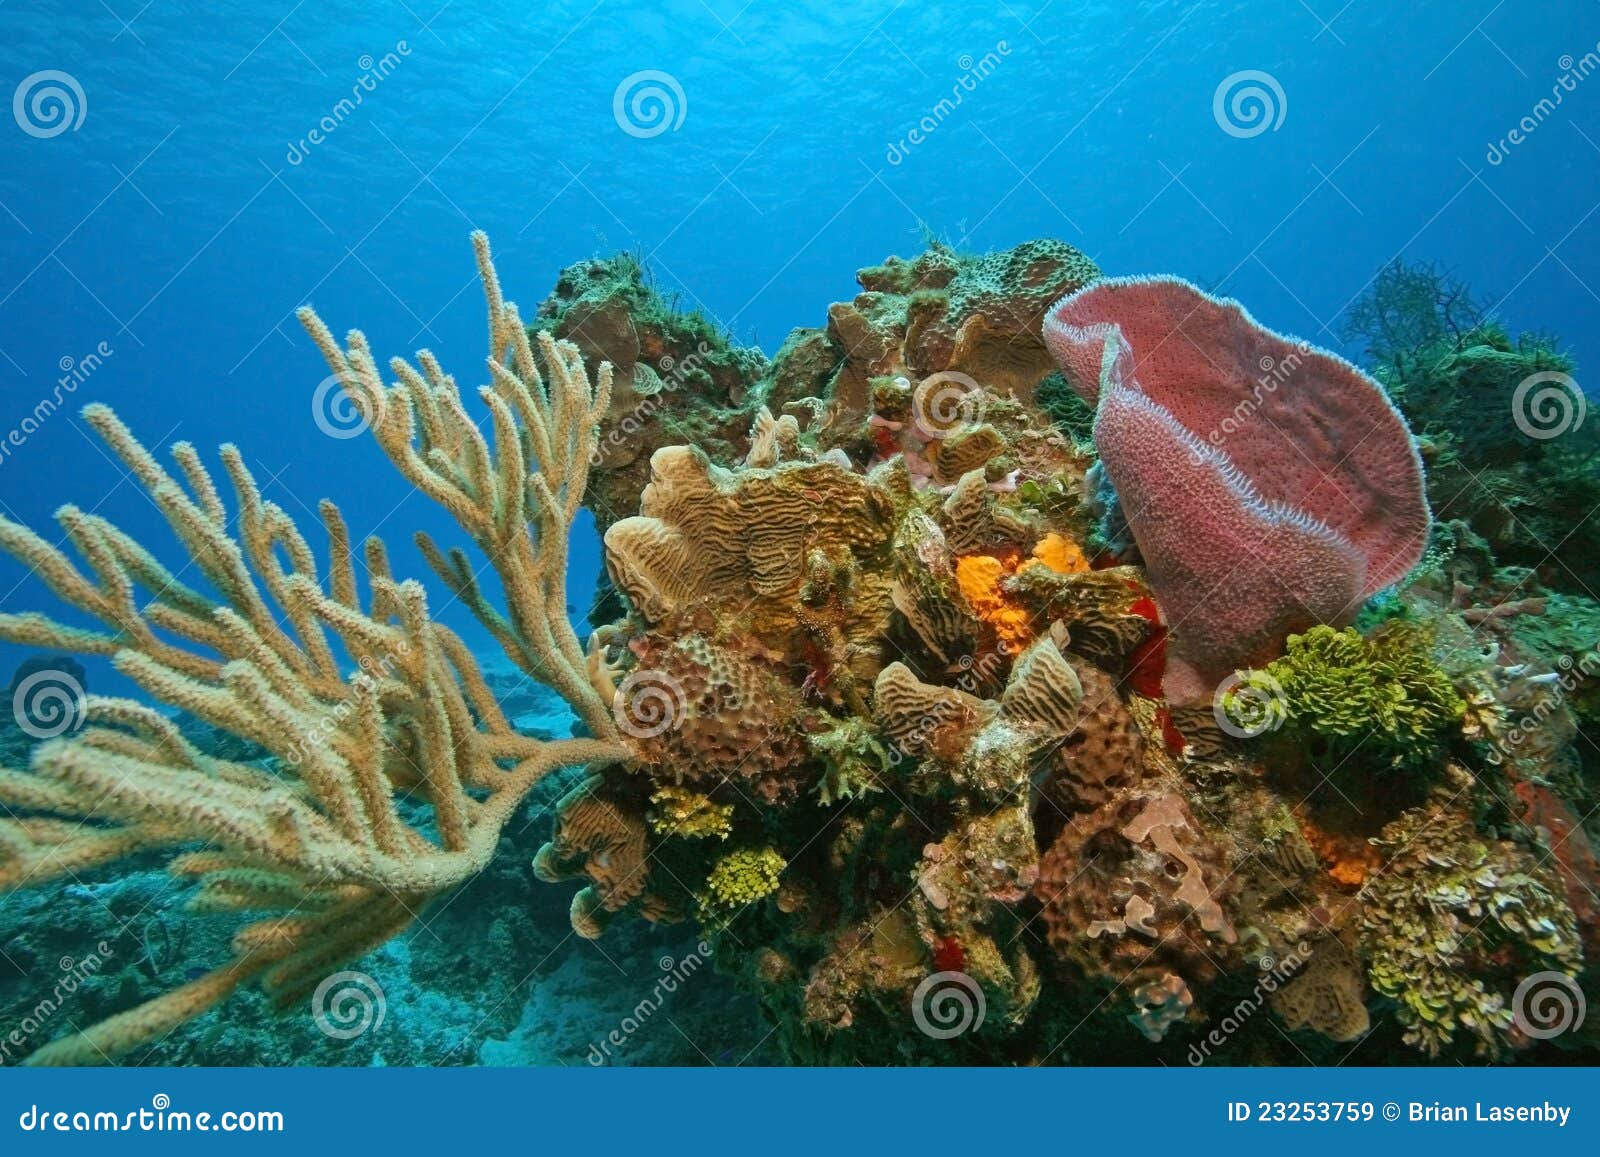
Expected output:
{"points": [[877, 698], [315, 851]]}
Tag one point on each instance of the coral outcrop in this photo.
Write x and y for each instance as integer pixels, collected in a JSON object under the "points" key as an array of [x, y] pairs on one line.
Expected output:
{"points": [[1500, 418], [1453, 924], [898, 699]]}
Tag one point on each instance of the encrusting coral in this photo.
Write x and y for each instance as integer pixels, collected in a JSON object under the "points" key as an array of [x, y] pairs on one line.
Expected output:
{"points": [[901, 672]]}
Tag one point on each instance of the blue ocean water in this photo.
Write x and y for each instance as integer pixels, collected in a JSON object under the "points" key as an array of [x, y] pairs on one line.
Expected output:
{"points": [[178, 177], [188, 209]]}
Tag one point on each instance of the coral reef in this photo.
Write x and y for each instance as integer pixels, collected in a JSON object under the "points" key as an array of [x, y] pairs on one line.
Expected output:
{"points": [[898, 709], [1452, 914], [1500, 419], [315, 849], [1133, 894]]}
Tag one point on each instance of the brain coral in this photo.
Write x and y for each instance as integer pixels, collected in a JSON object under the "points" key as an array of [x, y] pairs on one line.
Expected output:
{"points": [[705, 532], [1327, 995], [603, 839], [1269, 485]]}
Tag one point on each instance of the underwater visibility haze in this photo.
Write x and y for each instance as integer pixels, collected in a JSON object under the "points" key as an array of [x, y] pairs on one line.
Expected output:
{"points": [[718, 532]]}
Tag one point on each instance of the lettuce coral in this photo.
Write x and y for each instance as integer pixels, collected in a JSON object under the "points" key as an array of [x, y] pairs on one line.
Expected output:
{"points": [[1452, 924], [865, 696], [1383, 694]]}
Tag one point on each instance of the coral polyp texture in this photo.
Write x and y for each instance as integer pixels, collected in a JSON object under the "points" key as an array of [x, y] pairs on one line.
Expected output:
{"points": [[1140, 699]]}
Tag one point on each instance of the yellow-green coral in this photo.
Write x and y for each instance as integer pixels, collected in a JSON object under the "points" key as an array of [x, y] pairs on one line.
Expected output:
{"points": [[1453, 922], [1384, 692], [742, 877], [690, 814]]}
